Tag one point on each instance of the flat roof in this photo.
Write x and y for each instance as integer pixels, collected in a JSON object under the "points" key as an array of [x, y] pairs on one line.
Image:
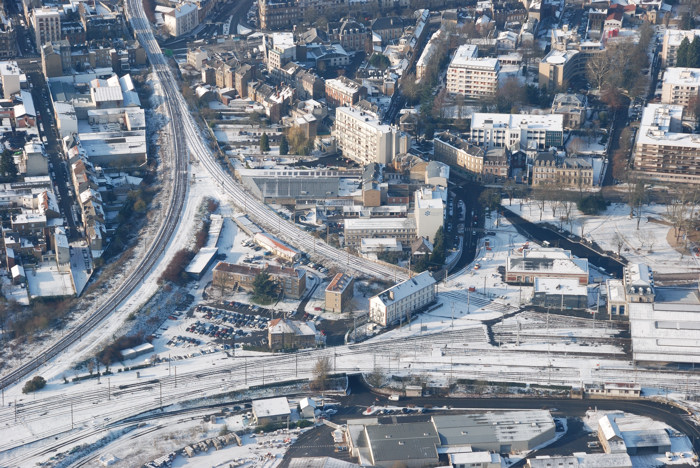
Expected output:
{"points": [[379, 223], [271, 407], [568, 286], [661, 125], [682, 76], [554, 122], [404, 441]]}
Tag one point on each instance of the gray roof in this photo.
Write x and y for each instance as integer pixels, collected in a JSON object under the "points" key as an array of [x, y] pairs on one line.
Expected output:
{"points": [[387, 22], [407, 441], [320, 462], [293, 187]]}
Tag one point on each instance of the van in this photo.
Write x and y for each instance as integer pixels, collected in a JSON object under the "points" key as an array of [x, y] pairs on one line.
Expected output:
{"points": [[394, 397]]}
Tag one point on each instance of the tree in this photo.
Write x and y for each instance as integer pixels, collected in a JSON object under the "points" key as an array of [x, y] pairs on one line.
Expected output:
{"points": [[437, 258], [36, 383], [298, 141], [8, 166], [490, 199], [598, 69], [618, 242], [380, 61], [687, 21], [284, 146], [264, 143], [693, 55], [682, 53], [322, 370], [264, 288], [591, 205]]}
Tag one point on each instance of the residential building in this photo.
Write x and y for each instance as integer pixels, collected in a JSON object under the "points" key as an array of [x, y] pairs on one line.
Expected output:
{"points": [[291, 281], [197, 58], [344, 92], [270, 411], [559, 67], [429, 212], [8, 37], [681, 86], [456, 151], [516, 131], [496, 165], [279, 49], [672, 40], [46, 22], [550, 168], [572, 107], [352, 35], [11, 78], [339, 293], [526, 266], [244, 74], [581, 460], [285, 14], [389, 28], [291, 334], [363, 138], [470, 76], [662, 152], [182, 19], [399, 302], [355, 230], [428, 52]]}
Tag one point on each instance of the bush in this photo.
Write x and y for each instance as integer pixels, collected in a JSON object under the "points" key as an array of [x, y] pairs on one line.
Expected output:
{"points": [[37, 383], [592, 204], [175, 272], [302, 423], [112, 352]]}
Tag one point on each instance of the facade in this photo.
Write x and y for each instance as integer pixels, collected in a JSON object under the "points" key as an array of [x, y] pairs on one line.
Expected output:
{"points": [[284, 14], [291, 281], [290, 334], [11, 79], [429, 212], [516, 131], [572, 107], [632, 435], [182, 19], [399, 302], [681, 86], [672, 40], [197, 58], [280, 49], [402, 230], [271, 410], [559, 67], [363, 138], [429, 51], [352, 35], [526, 266], [548, 168], [470, 76], [339, 293], [636, 285], [8, 36], [662, 153], [343, 92], [46, 22]]}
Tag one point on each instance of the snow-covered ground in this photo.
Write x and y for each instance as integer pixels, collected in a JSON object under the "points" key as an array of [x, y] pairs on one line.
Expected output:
{"points": [[649, 244]]}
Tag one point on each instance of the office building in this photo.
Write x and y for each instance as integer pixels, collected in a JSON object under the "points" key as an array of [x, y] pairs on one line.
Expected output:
{"points": [[516, 131], [662, 152], [402, 230], [399, 302], [363, 138], [339, 293]]}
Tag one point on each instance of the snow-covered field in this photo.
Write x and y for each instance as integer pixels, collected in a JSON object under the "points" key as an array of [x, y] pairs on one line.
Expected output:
{"points": [[649, 244]]}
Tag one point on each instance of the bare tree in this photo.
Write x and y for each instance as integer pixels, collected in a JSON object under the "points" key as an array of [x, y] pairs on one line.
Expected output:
{"points": [[598, 69], [619, 242], [321, 371]]}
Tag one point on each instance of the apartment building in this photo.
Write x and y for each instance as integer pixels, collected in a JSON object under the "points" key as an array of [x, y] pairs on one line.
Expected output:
{"points": [[429, 51], [11, 78], [672, 40], [515, 131], [471, 76], [291, 281], [352, 35], [399, 302], [339, 293], [662, 153], [46, 22], [182, 19], [429, 212], [280, 49], [363, 138], [285, 14], [559, 67], [455, 151], [343, 92], [681, 86], [8, 36], [548, 168]]}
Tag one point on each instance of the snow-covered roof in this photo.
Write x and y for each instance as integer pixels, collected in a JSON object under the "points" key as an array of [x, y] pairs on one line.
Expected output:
{"points": [[569, 286], [271, 407], [609, 427], [661, 125], [406, 288]]}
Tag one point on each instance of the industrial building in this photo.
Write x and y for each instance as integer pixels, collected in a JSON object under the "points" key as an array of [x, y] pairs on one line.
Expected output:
{"points": [[402, 300], [632, 434], [467, 438], [339, 293], [524, 267]]}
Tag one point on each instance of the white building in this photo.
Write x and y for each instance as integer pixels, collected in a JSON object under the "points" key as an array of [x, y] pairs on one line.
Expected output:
{"points": [[197, 58], [363, 138], [181, 19], [279, 49], [271, 410], [11, 78], [429, 213], [400, 301], [428, 52], [680, 86], [672, 40], [516, 131], [668, 329], [276, 247], [471, 76], [46, 22]]}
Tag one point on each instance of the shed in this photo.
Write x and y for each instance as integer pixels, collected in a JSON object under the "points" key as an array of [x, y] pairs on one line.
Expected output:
{"points": [[307, 408]]}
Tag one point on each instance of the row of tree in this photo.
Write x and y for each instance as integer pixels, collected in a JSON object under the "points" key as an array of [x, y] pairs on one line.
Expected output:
{"points": [[688, 54]]}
